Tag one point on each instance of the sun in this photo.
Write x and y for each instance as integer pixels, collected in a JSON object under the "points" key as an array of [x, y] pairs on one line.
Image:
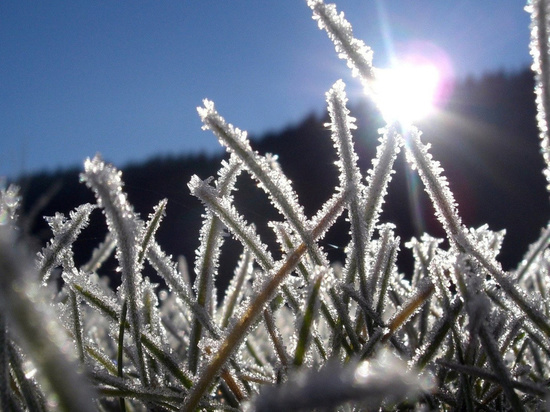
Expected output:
{"points": [[406, 92]]}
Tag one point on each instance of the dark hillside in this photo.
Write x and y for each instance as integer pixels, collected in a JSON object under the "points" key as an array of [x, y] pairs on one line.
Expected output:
{"points": [[486, 140]]}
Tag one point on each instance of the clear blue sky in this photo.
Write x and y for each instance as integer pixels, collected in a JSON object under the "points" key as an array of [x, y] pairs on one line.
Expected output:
{"points": [[124, 78]]}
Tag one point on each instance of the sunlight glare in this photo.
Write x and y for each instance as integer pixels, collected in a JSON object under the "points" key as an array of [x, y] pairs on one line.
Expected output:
{"points": [[407, 92]]}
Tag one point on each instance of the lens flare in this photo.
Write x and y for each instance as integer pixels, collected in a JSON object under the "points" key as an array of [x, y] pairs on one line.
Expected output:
{"points": [[418, 80], [406, 92]]}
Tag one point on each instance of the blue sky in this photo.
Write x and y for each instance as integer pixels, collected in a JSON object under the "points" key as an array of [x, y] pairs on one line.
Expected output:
{"points": [[124, 78]]}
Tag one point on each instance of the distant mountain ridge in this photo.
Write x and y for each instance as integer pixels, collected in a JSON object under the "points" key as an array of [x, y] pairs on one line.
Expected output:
{"points": [[486, 140]]}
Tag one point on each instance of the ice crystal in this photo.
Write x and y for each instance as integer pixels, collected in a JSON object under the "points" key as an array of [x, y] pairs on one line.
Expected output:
{"points": [[106, 182], [65, 231], [339, 30], [380, 176], [341, 126], [227, 213], [211, 235], [436, 185], [540, 51], [236, 289], [206, 265], [295, 332], [534, 253], [275, 183]]}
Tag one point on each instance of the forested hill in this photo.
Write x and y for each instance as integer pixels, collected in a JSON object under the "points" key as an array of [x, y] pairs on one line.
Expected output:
{"points": [[486, 140]]}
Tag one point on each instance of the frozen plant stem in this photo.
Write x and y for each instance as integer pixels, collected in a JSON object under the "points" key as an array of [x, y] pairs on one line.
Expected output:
{"points": [[239, 330], [106, 182], [277, 186], [540, 50], [207, 261], [236, 334], [305, 331], [350, 177], [180, 349], [339, 30], [443, 201]]}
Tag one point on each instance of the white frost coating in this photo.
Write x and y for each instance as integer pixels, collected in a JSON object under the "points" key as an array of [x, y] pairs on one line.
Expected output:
{"points": [[419, 294], [213, 121], [227, 213], [206, 261], [211, 235], [424, 250], [540, 51], [270, 179], [285, 237], [432, 347], [327, 214], [146, 233], [167, 270], [384, 255], [70, 315], [105, 180], [379, 176], [236, 289], [487, 241], [228, 174], [207, 255], [105, 301], [152, 316], [446, 210], [341, 125], [436, 186], [350, 178], [439, 269], [65, 231], [288, 241], [478, 305], [534, 255], [357, 54], [243, 355]]}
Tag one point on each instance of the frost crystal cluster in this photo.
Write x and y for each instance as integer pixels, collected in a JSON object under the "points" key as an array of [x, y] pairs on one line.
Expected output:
{"points": [[293, 332]]}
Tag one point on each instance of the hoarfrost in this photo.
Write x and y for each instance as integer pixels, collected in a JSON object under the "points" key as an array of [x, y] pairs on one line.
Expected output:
{"points": [[436, 186], [277, 186], [227, 213], [459, 306], [65, 231], [237, 287], [379, 176], [540, 51], [357, 54]]}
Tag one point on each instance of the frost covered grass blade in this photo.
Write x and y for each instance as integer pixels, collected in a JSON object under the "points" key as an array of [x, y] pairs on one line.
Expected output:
{"points": [[106, 182], [295, 332], [540, 51]]}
